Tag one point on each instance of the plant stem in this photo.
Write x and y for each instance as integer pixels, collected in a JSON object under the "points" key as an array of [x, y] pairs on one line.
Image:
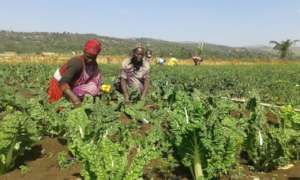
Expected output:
{"points": [[197, 162]]}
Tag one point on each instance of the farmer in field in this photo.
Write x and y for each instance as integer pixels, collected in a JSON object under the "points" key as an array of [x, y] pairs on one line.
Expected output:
{"points": [[134, 73], [148, 55], [197, 60], [78, 77], [160, 61]]}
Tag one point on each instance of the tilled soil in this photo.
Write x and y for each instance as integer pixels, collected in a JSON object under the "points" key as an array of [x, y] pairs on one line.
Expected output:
{"points": [[42, 163], [291, 172]]}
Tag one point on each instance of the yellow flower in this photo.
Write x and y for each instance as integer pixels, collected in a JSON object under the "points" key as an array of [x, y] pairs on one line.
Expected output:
{"points": [[172, 62], [106, 88]]}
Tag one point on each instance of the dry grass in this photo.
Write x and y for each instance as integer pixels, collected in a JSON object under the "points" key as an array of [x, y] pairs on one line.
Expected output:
{"points": [[236, 62], [61, 58], [57, 59]]}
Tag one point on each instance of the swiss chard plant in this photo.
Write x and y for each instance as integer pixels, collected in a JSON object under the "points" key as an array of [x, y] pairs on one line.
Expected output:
{"points": [[18, 133], [207, 139]]}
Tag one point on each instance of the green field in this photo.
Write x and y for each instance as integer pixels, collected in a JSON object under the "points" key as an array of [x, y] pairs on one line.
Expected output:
{"points": [[187, 122]]}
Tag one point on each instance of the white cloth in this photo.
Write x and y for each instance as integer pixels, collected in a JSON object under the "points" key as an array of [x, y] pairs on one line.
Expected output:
{"points": [[57, 75], [161, 61]]}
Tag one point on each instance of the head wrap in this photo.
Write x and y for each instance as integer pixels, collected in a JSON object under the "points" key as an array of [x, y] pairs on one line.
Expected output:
{"points": [[92, 47]]}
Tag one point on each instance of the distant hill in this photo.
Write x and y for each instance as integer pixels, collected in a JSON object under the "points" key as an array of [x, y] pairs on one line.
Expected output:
{"points": [[295, 50], [36, 42]]}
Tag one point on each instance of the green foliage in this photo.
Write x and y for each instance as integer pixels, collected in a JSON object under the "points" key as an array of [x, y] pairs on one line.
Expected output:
{"points": [[18, 134], [24, 169], [206, 138], [62, 160], [291, 126], [188, 122], [284, 47], [267, 145], [103, 156]]}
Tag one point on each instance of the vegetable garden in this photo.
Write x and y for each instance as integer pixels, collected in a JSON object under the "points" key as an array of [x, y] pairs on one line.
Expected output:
{"points": [[187, 122]]}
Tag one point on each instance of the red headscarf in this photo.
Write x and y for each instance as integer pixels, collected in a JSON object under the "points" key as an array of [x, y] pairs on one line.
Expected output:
{"points": [[92, 47]]}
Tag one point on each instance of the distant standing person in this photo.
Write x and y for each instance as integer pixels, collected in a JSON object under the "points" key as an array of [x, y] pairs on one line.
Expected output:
{"points": [[160, 61], [148, 55], [78, 77], [197, 60], [135, 72]]}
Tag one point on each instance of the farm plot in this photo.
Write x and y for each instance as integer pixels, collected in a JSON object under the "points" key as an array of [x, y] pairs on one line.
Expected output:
{"points": [[187, 127]]}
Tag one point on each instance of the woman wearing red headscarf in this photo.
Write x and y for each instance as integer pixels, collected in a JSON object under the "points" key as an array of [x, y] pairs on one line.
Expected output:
{"points": [[78, 77]]}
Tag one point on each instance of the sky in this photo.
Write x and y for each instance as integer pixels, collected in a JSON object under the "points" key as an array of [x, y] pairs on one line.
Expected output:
{"points": [[226, 22]]}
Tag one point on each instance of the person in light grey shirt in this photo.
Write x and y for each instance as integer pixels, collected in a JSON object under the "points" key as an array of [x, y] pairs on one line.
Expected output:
{"points": [[135, 72]]}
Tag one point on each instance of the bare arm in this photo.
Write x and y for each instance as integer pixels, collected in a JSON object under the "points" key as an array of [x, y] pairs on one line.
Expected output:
{"points": [[146, 88], [74, 99], [74, 67], [125, 89]]}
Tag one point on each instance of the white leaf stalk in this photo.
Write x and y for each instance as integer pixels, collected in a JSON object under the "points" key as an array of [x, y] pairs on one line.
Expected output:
{"points": [[261, 141], [145, 121], [81, 132], [186, 115], [112, 161], [177, 125], [198, 174]]}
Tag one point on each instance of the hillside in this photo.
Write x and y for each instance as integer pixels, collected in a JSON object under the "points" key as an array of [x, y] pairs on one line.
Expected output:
{"points": [[269, 49], [36, 42]]}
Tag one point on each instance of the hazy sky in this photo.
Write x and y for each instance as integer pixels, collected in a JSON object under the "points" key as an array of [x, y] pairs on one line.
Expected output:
{"points": [[228, 22]]}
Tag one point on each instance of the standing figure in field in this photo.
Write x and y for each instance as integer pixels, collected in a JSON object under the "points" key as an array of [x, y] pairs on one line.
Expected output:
{"points": [[148, 55], [78, 77], [135, 72], [197, 55], [160, 61], [197, 60]]}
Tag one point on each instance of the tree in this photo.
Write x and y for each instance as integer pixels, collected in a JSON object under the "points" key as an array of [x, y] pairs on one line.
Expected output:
{"points": [[283, 47]]}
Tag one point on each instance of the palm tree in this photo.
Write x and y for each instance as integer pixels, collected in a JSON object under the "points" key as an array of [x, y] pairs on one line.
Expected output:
{"points": [[283, 47]]}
